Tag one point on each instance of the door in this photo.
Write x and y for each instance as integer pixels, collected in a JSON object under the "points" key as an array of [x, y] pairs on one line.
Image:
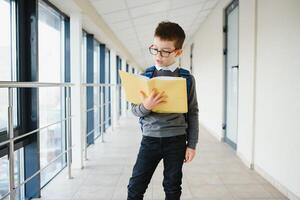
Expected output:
{"points": [[231, 73]]}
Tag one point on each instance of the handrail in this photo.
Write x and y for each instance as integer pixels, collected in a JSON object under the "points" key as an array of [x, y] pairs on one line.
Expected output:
{"points": [[14, 84], [11, 85], [97, 84], [97, 107], [34, 131]]}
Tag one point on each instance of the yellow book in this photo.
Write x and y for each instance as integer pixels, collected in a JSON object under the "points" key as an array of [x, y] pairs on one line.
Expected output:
{"points": [[174, 88]]}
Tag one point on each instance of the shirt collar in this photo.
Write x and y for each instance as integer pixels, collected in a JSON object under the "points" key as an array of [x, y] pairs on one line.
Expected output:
{"points": [[172, 67]]}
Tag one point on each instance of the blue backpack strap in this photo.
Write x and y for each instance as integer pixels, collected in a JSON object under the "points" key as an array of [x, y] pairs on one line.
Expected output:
{"points": [[149, 72], [186, 74]]}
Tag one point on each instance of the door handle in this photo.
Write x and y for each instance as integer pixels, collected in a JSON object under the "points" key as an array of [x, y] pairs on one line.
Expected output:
{"points": [[236, 66]]}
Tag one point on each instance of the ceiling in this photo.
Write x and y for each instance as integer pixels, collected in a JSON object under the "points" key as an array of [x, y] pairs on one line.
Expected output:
{"points": [[134, 21]]}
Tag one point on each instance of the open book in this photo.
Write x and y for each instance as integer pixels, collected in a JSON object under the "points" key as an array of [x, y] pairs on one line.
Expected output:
{"points": [[174, 88]]}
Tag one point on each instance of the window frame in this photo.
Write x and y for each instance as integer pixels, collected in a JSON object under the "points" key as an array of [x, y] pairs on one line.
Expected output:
{"points": [[26, 70], [15, 70]]}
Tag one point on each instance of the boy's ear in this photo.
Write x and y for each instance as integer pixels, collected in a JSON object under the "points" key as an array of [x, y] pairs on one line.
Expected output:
{"points": [[179, 52]]}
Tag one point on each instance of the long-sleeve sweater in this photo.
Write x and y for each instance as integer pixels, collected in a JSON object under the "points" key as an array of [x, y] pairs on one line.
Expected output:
{"points": [[171, 124]]}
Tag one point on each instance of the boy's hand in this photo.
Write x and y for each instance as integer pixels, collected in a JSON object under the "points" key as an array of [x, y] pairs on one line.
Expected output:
{"points": [[189, 154], [154, 99]]}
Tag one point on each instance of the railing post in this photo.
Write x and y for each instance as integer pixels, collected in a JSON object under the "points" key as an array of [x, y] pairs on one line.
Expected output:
{"points": [[83, 121], [10, 134], [112, 103], [102, 87], [68, 128], [118, 105]]}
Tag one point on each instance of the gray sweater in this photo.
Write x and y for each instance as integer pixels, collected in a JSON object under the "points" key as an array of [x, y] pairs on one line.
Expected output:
{"points": [[171, 124]]}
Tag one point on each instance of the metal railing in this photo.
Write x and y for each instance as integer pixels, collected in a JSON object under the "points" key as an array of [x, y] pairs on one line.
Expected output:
{"points": [[114, 105], [99, 107], [10, 131]]}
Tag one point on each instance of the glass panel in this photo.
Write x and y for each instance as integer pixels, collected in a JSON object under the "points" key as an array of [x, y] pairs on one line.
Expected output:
{"points": [[19, 174], [4, 178], [51, 100], [107, 89], [6, 72], [96, 89], [83, 60], [107, 63], [232, 77], [5, 42]]}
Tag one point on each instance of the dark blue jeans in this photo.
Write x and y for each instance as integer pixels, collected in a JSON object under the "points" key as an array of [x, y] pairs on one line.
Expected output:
{"points": [[152, 150]]}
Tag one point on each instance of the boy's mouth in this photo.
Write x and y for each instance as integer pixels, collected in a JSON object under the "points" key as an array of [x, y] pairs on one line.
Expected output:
{"points": [[159, 61]]}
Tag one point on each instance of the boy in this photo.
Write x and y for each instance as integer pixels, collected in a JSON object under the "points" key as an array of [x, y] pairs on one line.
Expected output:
{"points": [[165, 134]]}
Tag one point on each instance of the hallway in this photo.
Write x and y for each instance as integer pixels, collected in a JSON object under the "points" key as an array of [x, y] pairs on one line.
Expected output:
{"points": [[215, 174], [61, 91]]}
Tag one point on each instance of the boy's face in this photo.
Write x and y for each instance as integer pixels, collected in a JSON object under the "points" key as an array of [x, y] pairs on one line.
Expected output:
{"points": [[168, 53]]}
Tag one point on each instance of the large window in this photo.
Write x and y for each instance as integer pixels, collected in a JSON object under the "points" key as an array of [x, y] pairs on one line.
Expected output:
{"points": [[108, 89], [7, 59], [51, 100], [8, 73], [51, 107], [97, 109]]}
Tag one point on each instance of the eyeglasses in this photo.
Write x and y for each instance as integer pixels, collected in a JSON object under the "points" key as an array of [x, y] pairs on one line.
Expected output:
{"points": [[163, 53]]}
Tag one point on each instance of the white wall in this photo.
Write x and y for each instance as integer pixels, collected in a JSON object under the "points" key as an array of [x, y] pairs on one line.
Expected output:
{"points": [[277, 130], [269, 85], [247, 47]]}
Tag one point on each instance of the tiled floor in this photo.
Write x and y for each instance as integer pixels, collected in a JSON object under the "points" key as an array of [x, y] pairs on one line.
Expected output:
{"points": [[215, 174]]}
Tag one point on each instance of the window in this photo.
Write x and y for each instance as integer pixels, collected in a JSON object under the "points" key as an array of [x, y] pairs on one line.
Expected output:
{"points": [[8, 73], [107, 89], [7, 59], [119, 67], [51, 100], [19, 174], [84, 56], [96, 89]]}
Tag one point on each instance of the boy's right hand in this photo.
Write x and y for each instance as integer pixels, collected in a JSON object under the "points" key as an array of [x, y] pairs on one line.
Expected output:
{"points": [[154, 99]]}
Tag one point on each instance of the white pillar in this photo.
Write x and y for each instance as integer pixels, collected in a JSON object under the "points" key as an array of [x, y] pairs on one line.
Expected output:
{"points": [[77, 96]]}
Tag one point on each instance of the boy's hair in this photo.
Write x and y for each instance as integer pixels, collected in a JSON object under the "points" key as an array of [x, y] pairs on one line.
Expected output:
{"points": [[171, 32]]}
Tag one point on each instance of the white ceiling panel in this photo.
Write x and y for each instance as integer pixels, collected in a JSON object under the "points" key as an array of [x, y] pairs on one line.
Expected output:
{"points": [[122, 25], [210, 4], [187, 11], [137, 3], [183, 3], [116, 17], [161, 6], [106, 7], [150, 19]]}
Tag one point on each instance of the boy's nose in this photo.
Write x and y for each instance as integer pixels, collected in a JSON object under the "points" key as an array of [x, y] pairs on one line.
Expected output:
{"points": [[158, 56]]}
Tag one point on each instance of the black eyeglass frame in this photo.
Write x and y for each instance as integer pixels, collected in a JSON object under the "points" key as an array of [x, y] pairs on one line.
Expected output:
{"points": [[155, 51]]}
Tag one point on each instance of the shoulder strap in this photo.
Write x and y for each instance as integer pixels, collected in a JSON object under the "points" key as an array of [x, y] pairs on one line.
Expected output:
{"points": [[186, 74], [149, 72]]}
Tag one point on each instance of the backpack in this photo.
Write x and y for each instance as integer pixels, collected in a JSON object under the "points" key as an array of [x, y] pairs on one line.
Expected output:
{"points": [[182, 73]]}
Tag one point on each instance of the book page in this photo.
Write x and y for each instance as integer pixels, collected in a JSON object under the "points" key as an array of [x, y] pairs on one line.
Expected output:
{"points": [[175, 89], [132, 85]]}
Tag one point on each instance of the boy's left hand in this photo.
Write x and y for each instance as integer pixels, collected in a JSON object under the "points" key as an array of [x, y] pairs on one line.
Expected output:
{"points": [[189, 154]]}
